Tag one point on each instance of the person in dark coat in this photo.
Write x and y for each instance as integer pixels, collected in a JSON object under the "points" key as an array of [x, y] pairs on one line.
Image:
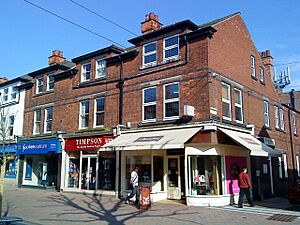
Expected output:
{"points": [[244, 185]]}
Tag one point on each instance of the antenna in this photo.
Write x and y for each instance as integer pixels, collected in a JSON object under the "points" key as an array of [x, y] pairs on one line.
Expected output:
{"points": [[283, 80]]}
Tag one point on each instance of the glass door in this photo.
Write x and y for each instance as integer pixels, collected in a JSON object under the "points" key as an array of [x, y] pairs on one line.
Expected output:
{"points": [[174, 185], [88, 172]]}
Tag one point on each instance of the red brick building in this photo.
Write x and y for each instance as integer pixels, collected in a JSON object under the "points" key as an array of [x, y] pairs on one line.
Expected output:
{"points": [[189, 100]]}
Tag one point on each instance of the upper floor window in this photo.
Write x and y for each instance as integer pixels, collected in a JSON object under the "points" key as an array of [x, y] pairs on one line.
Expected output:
{"points": [[5, 95], [238, 105], [149, 54], [50, 83], [261, 74], [171, 47], [37, 122], [39, 85], [149, 104], [48, 119], [11, 123], [281, 117], [253, 73], [84, 114], [226, 101], [100, 68], [99, 111], [171, 101], [14, 92], [86, 72], [266, 114], [295, 130], [276, 112]]}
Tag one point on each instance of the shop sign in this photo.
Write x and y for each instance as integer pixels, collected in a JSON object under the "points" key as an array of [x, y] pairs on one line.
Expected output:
{"points": [[38, 147], [149, 139], [87, 143], [249, 140]]}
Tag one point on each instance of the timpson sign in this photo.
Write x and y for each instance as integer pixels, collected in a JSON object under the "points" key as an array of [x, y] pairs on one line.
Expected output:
{"points": [[87, 143]]}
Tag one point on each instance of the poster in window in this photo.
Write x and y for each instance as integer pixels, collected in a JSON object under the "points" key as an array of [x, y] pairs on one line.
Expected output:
{"points": [[28, 171]]}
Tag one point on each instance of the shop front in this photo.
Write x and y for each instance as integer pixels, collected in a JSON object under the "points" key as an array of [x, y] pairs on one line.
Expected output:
{"points": [[197, 163], [9, 150], [86, 169], [39, 162]]}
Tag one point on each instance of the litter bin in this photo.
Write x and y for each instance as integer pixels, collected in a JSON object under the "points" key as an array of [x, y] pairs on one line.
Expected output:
{"points": [[145, 201]]}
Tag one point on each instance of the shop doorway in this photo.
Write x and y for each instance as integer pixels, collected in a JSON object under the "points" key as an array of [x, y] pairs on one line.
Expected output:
{"points": [[173, 180], [88, 172]]}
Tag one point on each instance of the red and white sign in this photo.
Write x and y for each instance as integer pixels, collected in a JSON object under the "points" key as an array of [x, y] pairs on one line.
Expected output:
{"points": [[87, 143]]}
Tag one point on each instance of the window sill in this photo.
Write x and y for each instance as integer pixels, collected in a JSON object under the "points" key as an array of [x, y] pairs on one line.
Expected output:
{"points": [[262, 82], [43, 93], [254, 78], [167, 61], [267, 127], [278, 129]]}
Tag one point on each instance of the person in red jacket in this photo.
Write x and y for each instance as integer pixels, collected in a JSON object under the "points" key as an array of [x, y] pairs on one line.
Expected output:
{"points": [[244, 185]]}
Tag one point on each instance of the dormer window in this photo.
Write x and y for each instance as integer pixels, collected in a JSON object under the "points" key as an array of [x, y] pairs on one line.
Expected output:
{"points": [[171, 48], [100, 68], [86, 72], [39, 85], [149, 54]]}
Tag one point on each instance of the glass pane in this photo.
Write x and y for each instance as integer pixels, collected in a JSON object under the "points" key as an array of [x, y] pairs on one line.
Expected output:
{"points": [[171, 41], [149, 112], [237, 97], [150, 95], [226, 109], [172, 109], [225, 92], [85, 121], [238, 114], [99, 119], [173, 172], [50, 114], [171, 91], [150, 48], [100, 104], [38, 115], [37, 128], [150, 58], [49, 126], [171, 52], [86, 107], [158, 171]]}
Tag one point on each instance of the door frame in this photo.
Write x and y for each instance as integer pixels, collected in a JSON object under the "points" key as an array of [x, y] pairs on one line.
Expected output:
{"points": [[178, 177], [88, 157]]}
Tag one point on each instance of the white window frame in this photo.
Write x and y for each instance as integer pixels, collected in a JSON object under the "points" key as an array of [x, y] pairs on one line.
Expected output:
{"points": [[280, 168], [266, 114], [239, 105], [285, 166], [252, 66], [84, 72], [95, 112], [5, 94], [14, 92], [47, 120], [170, 47], [298, 165], [35, 122], [261, 74], [227, 101], [82, 115], [171, 100], [100, 67], [150, 53], [48, 82], [276, 115], [11, 125], [149, 104], [281, 118], [39, 84], [294, 118]]}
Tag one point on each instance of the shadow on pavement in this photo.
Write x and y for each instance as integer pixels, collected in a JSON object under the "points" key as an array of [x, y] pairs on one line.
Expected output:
{"points": [[278, 203]]}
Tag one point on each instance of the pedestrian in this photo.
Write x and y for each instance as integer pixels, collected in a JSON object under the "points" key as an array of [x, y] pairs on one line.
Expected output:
{"points": [[244, 185], [134, 182]]}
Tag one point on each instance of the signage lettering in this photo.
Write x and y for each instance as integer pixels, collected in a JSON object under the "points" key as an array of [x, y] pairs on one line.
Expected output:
{"points": [[148, 139], [87, 143]]}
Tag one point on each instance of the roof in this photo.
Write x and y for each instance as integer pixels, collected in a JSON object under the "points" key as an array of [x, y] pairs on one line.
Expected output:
{"points": [[62, 65], [185, 23], [214, 22], [109, 49], [23, 79]]}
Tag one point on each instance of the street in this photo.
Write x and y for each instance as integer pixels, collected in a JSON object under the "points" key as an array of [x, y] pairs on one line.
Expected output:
{"points": [[37, 206]]}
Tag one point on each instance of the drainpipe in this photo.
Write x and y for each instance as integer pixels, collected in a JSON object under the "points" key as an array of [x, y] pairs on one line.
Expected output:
{"points": [[292, 145]]}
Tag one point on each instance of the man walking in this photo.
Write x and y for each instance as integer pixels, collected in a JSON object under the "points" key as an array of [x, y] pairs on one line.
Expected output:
{"points": [[134, 181], [244, 185]]}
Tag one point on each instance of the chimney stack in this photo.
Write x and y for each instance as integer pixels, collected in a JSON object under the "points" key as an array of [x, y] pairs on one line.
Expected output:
{"points": [[56, 57], [268, 63], [3, 80], [151, 23]]}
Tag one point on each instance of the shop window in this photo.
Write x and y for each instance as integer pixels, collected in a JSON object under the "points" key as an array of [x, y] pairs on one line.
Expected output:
{"points": [[37, 122], [99, 111], [149, 104], [84, 114], [11, 168], [144, 164], [106, 171], [28, 169], [158, 172], [73, 173], [171, 101], [226, 101], [204, 175]]}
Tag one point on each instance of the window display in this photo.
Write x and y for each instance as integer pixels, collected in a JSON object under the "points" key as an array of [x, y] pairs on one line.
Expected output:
{"points": [[107, 171], [144, 164]]}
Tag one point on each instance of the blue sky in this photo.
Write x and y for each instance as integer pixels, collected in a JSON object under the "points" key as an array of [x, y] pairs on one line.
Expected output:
{"points": [[28, 35]]}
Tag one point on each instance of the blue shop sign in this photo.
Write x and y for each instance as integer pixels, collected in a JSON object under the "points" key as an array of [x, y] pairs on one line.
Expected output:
{"points": [[38, 147], [11, 148]]}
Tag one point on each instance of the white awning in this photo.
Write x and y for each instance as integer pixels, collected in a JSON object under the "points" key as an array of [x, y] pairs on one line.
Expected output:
{"points": [[256, 147], [147, 140]]}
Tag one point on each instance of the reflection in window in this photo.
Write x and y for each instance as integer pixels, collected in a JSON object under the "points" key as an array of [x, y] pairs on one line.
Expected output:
{"points": [[144, 164]]}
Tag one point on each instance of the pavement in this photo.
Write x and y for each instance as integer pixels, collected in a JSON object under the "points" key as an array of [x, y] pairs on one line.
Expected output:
{"points": [[44, 207]]}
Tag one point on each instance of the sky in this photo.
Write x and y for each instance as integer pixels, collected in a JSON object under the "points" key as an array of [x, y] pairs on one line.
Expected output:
{"points": [[29, 35]]}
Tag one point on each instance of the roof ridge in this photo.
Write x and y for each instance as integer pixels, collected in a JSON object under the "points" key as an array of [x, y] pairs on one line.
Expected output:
{"points": [[211, 23]]}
